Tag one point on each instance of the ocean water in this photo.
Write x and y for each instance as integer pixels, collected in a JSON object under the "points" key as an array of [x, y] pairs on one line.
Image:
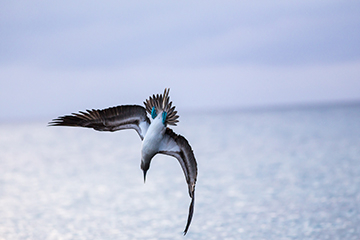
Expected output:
{"points": [[285, 174]]}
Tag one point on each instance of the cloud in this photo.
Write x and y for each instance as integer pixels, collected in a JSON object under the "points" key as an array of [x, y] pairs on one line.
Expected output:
{"points": [[82, 34], [46, 93], [74, 54]]}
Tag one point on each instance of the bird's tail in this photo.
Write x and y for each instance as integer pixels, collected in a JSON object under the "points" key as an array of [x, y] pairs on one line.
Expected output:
{"points": [[161, 103]]}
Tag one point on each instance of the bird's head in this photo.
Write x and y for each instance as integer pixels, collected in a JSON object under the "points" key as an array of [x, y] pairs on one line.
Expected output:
{"points": [[145, 167]]}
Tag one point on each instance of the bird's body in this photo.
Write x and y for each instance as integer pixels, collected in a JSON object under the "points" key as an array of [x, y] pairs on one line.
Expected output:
{"points": [[155, 135]]}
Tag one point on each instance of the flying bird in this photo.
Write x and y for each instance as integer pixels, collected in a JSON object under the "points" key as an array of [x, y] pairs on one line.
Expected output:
{"points": [[154, 132]]}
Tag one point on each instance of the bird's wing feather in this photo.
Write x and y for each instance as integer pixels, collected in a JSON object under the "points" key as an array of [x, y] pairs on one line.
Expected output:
{"points": [[109, 119], [177, 146]]}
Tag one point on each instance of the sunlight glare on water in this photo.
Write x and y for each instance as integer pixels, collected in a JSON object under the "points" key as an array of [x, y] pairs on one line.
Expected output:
{"points": [[291, 174]]}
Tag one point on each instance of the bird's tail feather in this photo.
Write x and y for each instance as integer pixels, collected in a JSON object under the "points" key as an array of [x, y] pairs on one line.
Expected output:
{"points": [[162, 103]]}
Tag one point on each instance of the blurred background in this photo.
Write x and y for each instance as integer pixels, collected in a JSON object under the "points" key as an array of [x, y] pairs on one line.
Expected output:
{"points": [[63, 56], [292, 174]]}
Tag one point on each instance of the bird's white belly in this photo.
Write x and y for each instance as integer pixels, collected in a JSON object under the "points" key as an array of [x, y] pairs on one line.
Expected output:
{"points": [[153, 138]]}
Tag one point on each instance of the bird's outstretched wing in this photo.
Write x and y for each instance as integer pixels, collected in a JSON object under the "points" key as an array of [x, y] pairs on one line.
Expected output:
{"points": [[177, 146], [109, 119]]}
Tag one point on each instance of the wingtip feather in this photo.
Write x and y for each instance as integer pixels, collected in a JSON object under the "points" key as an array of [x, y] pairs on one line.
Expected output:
{"points": [[191, 213]]}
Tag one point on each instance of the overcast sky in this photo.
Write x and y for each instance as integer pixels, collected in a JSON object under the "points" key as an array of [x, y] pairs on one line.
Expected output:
{"points": [[58, 57]]}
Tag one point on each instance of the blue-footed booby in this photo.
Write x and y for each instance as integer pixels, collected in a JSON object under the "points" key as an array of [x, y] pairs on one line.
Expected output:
{"points": [[155, 135]]}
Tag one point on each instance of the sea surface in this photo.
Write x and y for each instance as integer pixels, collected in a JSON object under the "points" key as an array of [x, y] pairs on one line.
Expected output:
{"points": [[265, 174]]}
